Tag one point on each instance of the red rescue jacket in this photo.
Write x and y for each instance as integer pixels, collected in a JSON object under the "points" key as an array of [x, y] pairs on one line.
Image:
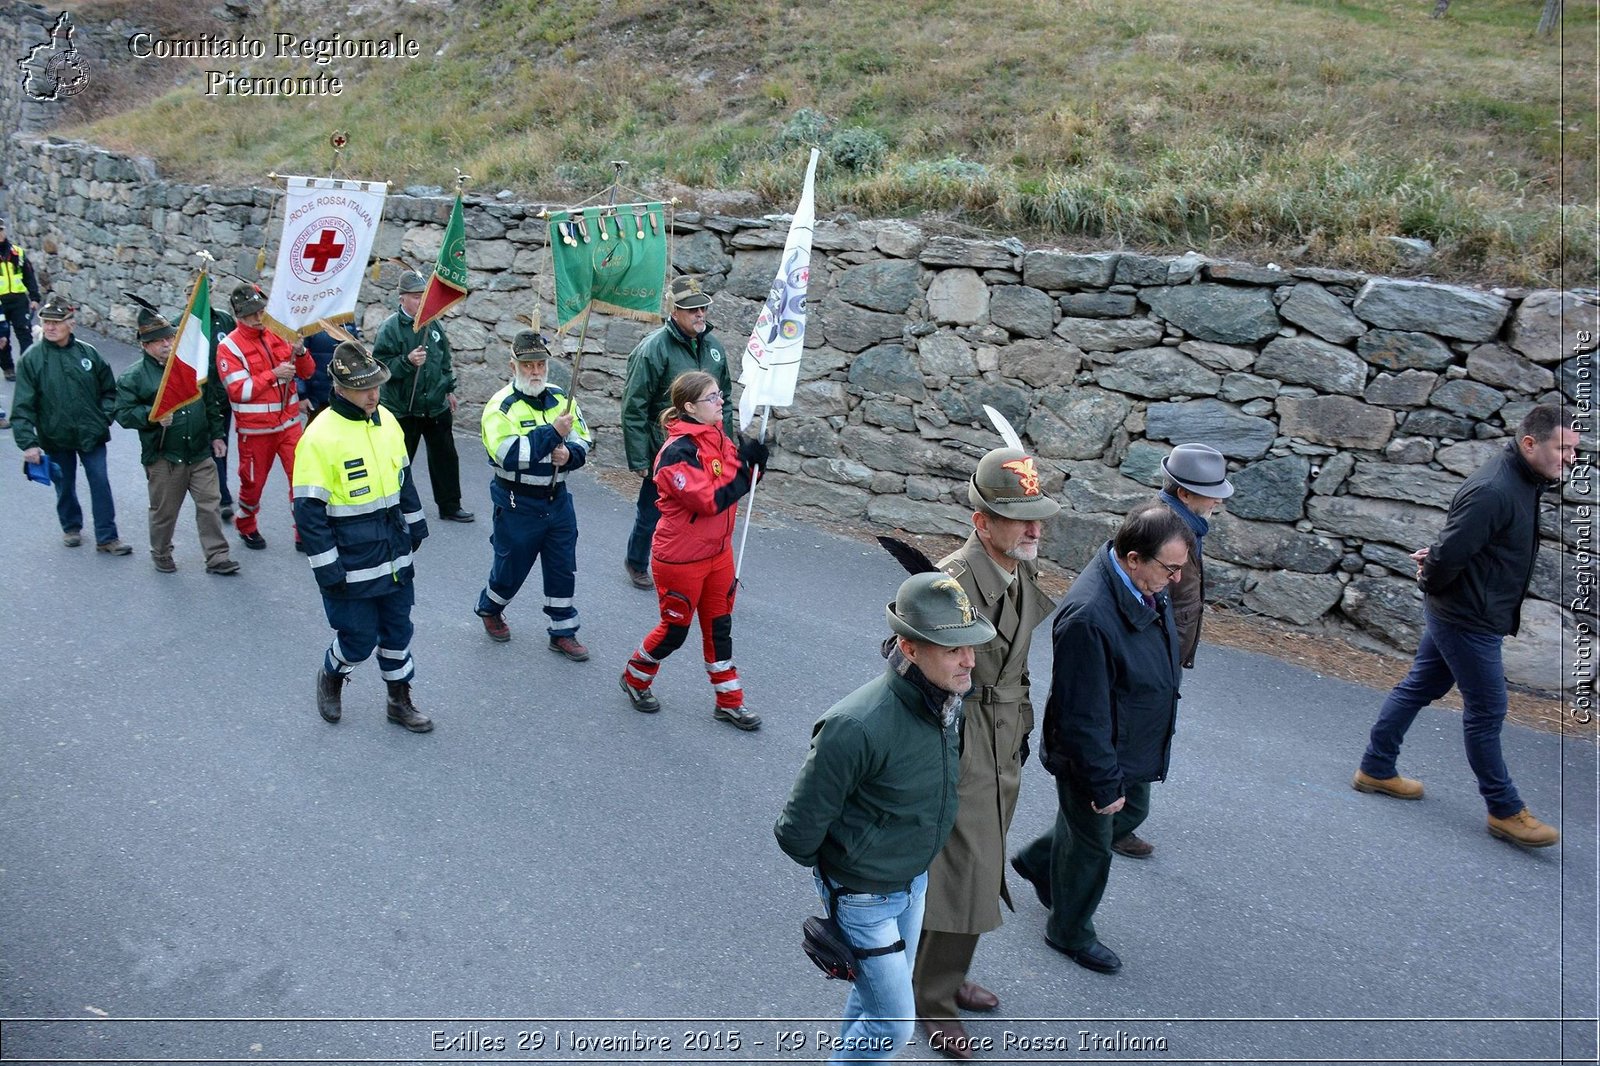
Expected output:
{"points": [[261, 403], [700, 479]]}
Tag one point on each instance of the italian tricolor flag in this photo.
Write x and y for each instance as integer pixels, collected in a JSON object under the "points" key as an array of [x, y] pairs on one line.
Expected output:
{"points": [[190, 364]]}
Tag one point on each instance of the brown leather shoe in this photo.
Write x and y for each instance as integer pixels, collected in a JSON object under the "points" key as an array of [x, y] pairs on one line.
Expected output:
{"points": [[1404, 788], [1133, 846], [569, 647], [164, 563], [948, 1038], [641, 579], [1524, 829], [496, 627], [974, 997]]}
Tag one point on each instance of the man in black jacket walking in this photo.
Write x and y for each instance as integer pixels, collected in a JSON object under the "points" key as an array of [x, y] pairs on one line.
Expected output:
{"points": [[1475, 577]]}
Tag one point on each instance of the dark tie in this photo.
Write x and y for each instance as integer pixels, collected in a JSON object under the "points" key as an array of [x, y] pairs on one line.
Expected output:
{"points": [[1150, 602]]}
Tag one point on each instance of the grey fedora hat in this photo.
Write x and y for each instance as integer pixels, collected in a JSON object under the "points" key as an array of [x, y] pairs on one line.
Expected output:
{"points": [[1199, 468]]}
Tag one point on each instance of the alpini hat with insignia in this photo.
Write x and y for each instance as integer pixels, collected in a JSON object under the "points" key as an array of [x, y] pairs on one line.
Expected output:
{"points": [[152, 327], [1006, 484], [411, 281], [529, 345], [56, 308], [933, 607], [353, 367], [688, 294], [247, 298]]}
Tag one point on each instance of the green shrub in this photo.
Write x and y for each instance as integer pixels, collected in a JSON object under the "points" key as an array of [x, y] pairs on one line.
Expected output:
{"points": [[857, 149]]}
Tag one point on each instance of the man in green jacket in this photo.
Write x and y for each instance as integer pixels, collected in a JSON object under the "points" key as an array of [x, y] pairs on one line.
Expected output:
{"points": [[682, 344], [62, 407], [178, 451], [421, 391], [876, 799]]}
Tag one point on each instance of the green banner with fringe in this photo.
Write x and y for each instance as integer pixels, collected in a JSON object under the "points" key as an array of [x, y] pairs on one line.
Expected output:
{"points": [[611, 258]]}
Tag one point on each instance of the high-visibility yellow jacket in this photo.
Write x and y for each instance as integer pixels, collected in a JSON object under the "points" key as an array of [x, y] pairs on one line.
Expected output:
{"points": [[16, 273], [519, 438], [357, 510]]}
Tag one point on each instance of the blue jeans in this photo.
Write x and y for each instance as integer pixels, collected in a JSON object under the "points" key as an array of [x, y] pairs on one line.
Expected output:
{"points": [[1450, 656], [67, 508], [645, 516], [880, 1013]]}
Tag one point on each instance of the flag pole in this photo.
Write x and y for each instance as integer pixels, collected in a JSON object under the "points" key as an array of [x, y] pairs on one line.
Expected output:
{"points": [[750, 508], [572, 390]]}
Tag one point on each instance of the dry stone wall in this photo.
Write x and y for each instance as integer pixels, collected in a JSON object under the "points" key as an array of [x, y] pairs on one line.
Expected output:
{"points": [[1351, 407]]}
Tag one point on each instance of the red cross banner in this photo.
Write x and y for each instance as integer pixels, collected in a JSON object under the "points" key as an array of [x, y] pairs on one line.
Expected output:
{"points": [[328, 228]]}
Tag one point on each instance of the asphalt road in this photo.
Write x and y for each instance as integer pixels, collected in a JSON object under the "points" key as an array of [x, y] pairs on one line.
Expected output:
{"points": [[551, 876]]}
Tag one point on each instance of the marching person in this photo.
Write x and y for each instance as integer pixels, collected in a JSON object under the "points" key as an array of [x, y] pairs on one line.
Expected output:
{"points": [[358, 510], [535, 436], [19, 298], [1474, 578], [1109, 720], [682, 344], [177, 452], [63, 407], [876, 798], [421, 391], [1195, 483], [998, 569], [222, 324], [258, 369], [700, 476]]}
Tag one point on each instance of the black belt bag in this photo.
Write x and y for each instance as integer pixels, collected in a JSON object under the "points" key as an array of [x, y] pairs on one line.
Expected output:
{"points": [[826, 944]]}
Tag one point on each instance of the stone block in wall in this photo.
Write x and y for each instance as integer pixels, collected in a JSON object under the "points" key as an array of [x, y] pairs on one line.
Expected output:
{"points": [[1409, 450], [838, 471], [1578, 378], [1238, 387], [492, 255], [752, 274], [1430, 422], [1225, 314], [822, 399], [887, 369], [885, 285], [1021, 311], [1222, 426], [733, 318], [1297, 598], [759, 237], [1219, 357], [903, 453], [1318, 310], [1225, 582], [1469, 399], [1158, 373], [1247, 273], [1110, 335], [852, 329], [835, 501], [1309, 361], [946, 354], [1448, 310], [1388, 607], [965, 405], [1534, 657], [1271, 490], [1267, 546], [958, 296], [1572, 524], [1064, 270], [1391, 481], [1072, 537], [701, 253], [1467, 456], [1092, 486], [1330, 476], [1140, 270], [918, 516], [889, 415], [956, 252], [1548, 324], [1337, 420], [1143, 463], [1409, 388], [1496, 364], [1098, 305], [1075, 423], [1401, 350], [807, 435], [900, 239], [1040, 363], [1405, 525]]}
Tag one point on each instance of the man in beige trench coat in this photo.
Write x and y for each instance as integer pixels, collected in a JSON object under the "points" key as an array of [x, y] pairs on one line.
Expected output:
{"points": [[998, 569]]}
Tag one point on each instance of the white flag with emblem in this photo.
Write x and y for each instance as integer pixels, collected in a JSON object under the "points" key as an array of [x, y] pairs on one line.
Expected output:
{"points": [[772, 357], [328, 228]]}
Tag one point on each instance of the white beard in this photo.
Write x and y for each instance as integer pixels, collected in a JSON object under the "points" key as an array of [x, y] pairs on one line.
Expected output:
{"points": [[530, 386]]}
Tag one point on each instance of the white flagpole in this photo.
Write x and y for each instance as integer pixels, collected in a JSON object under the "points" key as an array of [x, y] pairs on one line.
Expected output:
{"points": [[750, 507]]}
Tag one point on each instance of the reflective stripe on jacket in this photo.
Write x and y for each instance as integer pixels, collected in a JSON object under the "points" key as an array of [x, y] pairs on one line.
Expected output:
{"points": [[700, 480], [519, 438], [261, 403], [16, 273]]}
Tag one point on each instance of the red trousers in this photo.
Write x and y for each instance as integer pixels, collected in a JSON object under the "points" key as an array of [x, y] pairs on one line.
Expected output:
{"points": [[705, 588], [255, 462]]}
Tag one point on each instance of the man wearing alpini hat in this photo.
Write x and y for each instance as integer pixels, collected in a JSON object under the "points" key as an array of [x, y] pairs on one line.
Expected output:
{"points": [[998, 569], [361, 520], [258, 369], [876, 798], [683, 343], [178, 451]]}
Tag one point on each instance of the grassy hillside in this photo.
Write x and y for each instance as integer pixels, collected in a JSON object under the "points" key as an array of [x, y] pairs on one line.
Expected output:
{"points": [[1300, 130]]}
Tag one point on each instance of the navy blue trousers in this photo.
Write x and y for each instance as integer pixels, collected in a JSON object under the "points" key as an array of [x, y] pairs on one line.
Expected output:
{"points": [[372, 622], [527, 530]]}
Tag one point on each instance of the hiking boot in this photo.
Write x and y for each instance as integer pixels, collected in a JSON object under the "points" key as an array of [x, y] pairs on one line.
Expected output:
{"points": [[164, 563], [739, 717], [114, 547], [403, 712], [253, 541], [225, 567], [1133, 846], [1524, 829], [330, 688], [1405, 788], [5, 423], [496, 627], [72, 538], [569, 647], [641, 578], [642, 698]]}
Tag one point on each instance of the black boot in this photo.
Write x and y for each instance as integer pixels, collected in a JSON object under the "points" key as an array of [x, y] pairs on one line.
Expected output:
{"points": [[329, 689], [403, 712]]}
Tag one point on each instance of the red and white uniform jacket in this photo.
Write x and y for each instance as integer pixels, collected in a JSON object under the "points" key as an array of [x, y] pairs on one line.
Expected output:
{"points": [[700, 479], [261, 403]]}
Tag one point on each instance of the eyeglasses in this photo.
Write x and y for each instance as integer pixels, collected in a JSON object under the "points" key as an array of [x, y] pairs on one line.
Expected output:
{"points": [[1172, 571], [710, 397]]}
